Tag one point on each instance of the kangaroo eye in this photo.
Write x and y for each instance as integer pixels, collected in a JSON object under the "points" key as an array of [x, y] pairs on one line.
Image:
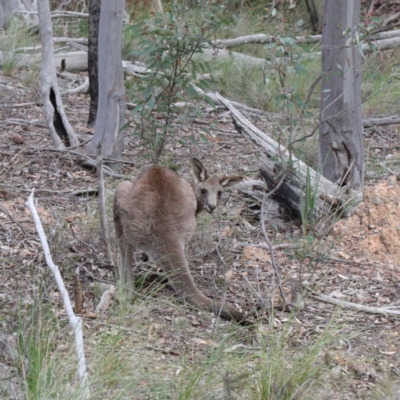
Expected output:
{"points": [[219, 193], [203, 191]]}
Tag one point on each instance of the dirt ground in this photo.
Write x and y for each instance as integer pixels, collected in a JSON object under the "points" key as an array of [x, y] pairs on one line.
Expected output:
{"points": [[359, 261]]}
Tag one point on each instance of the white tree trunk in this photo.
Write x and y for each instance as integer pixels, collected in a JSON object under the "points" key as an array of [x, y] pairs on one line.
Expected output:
{"points": [[111, 107], [61, 131], [341, 129]]}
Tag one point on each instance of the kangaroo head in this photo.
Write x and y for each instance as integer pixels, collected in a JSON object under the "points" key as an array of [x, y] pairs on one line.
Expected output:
{"points": [[208, 189]]}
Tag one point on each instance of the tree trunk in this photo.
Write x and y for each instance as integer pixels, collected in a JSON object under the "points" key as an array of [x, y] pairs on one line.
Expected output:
{"points": [[341, 129], [61, 131], [93, 57], [111, 108], [312, 10]]}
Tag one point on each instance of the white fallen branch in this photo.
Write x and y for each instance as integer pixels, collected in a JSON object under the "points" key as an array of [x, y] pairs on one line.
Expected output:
{"points": [[70, 40], [261, 38], [60, 14], [384, 35], [391, 120], [75, 321], [226, 55], [242, 107], [257, 38], [81, 88], [390, 19], [355, 306]]}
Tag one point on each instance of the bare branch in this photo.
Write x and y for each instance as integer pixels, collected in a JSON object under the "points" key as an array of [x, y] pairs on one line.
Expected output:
{"points": [[359, 307], [74, 321], [102, 204]]}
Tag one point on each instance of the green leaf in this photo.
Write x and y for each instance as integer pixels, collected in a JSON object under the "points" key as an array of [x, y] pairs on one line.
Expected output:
{"points": [[204, 138]]}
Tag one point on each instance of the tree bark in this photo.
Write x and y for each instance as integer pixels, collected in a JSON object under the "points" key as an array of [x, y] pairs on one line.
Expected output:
{"points": [[312, 10], [61, 131], [111, 108], [93, 56], [341, 129]]}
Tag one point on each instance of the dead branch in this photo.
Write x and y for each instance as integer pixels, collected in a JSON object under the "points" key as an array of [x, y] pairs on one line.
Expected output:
{"points": [[326, 192], [261, 38], [390, 19], [239, 58], [271, 250], [381, 121], [81, 88], [359, 307], [74, 321], [102, 204]]}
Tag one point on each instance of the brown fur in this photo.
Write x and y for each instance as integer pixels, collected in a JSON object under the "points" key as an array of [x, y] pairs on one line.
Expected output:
{"points": [[155, 212]]}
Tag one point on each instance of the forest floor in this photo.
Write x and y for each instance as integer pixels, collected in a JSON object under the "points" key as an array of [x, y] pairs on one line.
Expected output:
{"points": [[358, 261]]}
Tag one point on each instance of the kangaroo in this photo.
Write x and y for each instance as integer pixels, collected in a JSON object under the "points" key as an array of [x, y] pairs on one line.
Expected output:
{"points": [[156, 212]]}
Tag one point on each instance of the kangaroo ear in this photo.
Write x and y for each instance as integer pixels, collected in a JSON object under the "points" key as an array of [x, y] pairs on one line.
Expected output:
{"points": [[198, 170], [227, 181]]}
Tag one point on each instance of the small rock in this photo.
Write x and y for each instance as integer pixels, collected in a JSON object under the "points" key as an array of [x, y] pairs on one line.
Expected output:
{"points": [[377, 201], [392, 180]]}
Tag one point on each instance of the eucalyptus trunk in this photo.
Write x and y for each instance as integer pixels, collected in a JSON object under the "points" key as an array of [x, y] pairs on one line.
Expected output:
{"points": [[341, 129], [93, 57], [111, 107]]}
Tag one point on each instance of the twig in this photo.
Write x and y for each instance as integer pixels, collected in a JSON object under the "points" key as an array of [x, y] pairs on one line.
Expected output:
{"points": [[392, 18], [4, 211], [75, 321], [80, 240], [275, 267], [102, 204], [264, 246], [309, 93], [95, 278], [217, 317], [258, 295], [21, 105], [82, 88], [347, 304]]}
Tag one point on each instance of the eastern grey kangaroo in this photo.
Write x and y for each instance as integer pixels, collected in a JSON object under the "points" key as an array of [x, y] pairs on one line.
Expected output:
{"points": [[156, 212]]}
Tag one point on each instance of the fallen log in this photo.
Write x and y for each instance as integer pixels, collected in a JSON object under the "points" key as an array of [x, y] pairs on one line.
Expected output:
{"points": [[392, 120], [261, 38], [277, 161]]}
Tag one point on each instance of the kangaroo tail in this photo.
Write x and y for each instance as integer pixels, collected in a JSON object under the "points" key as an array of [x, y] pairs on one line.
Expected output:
{"points": [[181, 280]]}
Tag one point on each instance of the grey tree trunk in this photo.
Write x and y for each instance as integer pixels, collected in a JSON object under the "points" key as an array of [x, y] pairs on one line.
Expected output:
{"points": [[93, 57], [60, 129], [312, 10], [341, 129], [111, 108]]}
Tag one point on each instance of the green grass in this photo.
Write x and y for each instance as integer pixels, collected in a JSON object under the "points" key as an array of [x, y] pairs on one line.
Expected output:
{"points": [[126, 359], [381, 76], [13, 37]]}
